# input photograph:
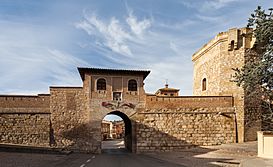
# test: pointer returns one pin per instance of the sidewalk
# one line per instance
(32, 149)
(257, 162)
(228, 155)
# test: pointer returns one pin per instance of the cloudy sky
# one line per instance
(42, 42)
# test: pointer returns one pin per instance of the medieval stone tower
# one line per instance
(213, 65)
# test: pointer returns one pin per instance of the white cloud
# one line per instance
(30, 70)
(151, 49)
(116, 38)
(207, 5)
(173, 46)
(137, 27)
(63, 66)
(216, 4)
(30, 61)
(212, 19)
(38, 49)
(111, 35)
(182, 25)
(115, 34)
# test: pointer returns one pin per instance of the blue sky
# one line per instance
(42, 42)
(112, 117)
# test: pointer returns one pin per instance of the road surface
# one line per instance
(227, 155)
(114, 155)
(109, 158)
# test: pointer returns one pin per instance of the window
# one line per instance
(101, 84)
(204, 84)
(117, 96)
(232, 45)
(132, 85)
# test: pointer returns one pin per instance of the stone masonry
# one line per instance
(214, 62)
(70, 117)
(176, 123)
(25, 120)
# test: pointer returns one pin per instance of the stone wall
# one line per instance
(69, 117)
(25, 120)
(174, 123)
(153, 101)
(31, 129)
(24, 101)
(214, 61)
(207, 65)
(176, 129)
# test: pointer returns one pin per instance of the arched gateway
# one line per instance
(122, 94)
(126, 132)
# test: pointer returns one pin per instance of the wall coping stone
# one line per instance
(190, 96)
(220, 113)
(25, 111)
(65, 87)
(31, 96)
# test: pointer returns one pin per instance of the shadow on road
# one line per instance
(120, 151)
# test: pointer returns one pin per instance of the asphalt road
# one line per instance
(120, 158)
(229, 155)
(109, 158)
(113, 144)
(114, 155)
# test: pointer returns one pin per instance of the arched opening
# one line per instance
(116, 132)
(232, 45)
(132, 85)
(101, 84)
(204, 84)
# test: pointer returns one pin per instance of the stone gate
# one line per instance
(70, 117)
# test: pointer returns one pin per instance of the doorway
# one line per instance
(116, 132)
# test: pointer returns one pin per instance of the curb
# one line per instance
(257, 162)
(31, 149)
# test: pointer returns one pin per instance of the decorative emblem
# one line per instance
(117, 105)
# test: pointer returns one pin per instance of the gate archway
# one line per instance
(128, 129)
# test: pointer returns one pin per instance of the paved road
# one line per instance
(113, 144)
(121, 158)
(114, 155)
(109, 158)
(229, 155)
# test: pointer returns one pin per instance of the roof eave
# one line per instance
(83, 70)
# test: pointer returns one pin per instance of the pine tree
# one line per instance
(256, 76)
